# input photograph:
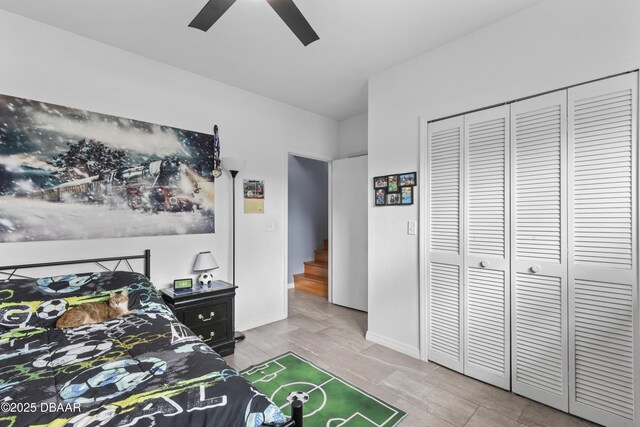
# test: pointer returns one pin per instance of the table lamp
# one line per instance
(205, 262)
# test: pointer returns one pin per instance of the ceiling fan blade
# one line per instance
(210, 13)
(295, 20)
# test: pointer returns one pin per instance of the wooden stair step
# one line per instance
(311, 278)
(322, 255)
(315, 268)
(309, 283)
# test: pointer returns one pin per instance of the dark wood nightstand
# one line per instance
(208, 312)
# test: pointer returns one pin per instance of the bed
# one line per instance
(143, 369)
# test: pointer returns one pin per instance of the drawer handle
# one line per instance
(211, 335)
(535, 269)
(484, 264)
(201, 317)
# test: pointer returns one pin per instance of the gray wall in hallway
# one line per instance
(308, 210)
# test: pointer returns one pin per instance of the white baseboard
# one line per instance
(291, 285)
(393, 344)
(245, 326)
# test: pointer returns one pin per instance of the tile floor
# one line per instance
(333, 337)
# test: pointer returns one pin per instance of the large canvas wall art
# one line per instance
(67, 173)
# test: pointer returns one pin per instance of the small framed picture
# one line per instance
(406, 195)
(392, 186)
(381, 197)
(182, 285)
(393, 199)
(408, 179)
(380, 182)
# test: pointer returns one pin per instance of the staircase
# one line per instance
(316, 273)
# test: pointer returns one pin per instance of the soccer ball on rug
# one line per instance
(205, 279)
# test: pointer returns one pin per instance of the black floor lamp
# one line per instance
(234, 165)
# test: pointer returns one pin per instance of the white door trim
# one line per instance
(422, 239)
(285, 267)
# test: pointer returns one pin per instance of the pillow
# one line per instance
(40, 302)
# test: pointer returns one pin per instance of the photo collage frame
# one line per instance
(394, 190)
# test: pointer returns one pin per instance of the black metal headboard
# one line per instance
(125, 258)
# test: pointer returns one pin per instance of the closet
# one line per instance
(531, 237)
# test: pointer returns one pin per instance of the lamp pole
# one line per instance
(237, 336)
(233, 165)
(233, 214)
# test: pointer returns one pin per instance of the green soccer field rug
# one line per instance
(328, 401)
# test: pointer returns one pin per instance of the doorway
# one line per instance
(308, 225)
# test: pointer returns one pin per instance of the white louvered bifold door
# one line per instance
(603, 257)
(539, 249)
(486, 248)
(444, 263)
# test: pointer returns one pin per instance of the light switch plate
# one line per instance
(412, 227)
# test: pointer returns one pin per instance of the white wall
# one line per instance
(46, 64)
(308, 219)
(352, 136)
(554, 44)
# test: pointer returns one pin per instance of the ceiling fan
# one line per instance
(286, 9)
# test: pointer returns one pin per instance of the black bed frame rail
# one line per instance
(126, 258)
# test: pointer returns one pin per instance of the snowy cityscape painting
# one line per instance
(67, 173)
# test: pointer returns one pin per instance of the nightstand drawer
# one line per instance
(202, 316)
(213, 333)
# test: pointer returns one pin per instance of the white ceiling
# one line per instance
(251, 48)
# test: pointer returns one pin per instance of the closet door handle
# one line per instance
(484, 264)
(535, 269)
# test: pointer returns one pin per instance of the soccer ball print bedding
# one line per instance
(130, 370)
